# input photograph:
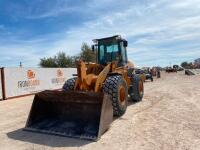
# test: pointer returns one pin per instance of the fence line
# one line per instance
(16, 82)
(1, 86)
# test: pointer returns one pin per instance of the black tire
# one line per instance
(114, 86)
(136, 93)
(69, 84)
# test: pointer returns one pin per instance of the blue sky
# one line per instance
(159, 32)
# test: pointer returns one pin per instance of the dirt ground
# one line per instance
(168, 118)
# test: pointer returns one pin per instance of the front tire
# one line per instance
(116, 87)
(69, 84)
(137, 89)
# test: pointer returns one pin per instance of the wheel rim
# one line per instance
(141, 88)
(122, 95)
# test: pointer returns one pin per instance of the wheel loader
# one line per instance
(85, 107)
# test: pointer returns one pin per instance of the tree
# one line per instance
(87, 54)
(48, 62)
(58, 61)
(64, 61)
(187, 65)
(197, 63)
(61, 60)
(184, 64)
(190, 65)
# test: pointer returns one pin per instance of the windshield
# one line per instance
(108, 53)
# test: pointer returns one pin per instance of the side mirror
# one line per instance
(125, 43)
(93, 48)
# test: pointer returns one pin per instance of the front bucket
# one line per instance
(85, 115)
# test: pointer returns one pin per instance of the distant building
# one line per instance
(197, 63)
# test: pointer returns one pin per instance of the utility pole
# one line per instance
(20, 64)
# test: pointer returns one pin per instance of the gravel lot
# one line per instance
(168, 118)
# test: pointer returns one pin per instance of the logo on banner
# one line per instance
(30, 74)
(59, 73)
(60, 79)
(31, 82)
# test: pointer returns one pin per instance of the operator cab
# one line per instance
(111, 49)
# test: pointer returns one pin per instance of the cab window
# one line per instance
(108, 53)
(123, 53)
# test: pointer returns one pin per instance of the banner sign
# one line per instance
(24, 81)
(1, 91)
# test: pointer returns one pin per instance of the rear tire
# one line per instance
(116, 87)
(137, 89)
(69, 84)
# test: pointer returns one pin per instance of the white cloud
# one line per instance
(13, 55)
(157, 30)
(2, 27)
(162, 30)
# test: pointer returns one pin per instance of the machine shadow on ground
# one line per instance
(52, 140)
(130, 102)
(45, 139)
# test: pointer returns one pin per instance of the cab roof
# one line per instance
(106, 39)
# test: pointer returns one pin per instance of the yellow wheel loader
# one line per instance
(86, 105)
